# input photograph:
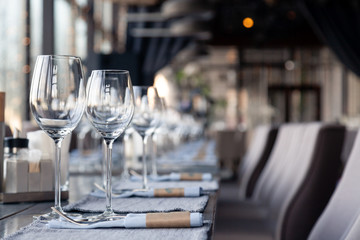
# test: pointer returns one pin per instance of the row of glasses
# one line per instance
(58, 101)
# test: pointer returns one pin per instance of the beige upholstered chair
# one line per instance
(256, 158)
(295, 185)
(340, 219)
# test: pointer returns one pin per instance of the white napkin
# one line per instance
(170, 177)
(130, 221)
(188, 192)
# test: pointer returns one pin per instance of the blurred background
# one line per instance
(232, 64)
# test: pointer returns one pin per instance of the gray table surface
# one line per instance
(15, 216)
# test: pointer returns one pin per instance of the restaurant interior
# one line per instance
(179, 119)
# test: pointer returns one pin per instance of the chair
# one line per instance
(350, 137)
(316, 185)
(340, 219)
(229, 149)
(296, 183)
(256, 158)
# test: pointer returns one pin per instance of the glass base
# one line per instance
(54, 216)
(125, 176)
(47, 217)
(108, 215)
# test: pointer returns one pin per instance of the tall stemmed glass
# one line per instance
(110, 108)
(57, 102)
(146, 118)
(155, 135)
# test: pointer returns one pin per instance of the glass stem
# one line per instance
(153, 155)
(58, 174)
(104, 164)
(124, 157)
(109, 145)
(145, 180)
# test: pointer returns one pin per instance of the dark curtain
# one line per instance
(338, 24)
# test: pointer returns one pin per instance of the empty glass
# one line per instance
(110, 108)
(57, 102)
(155, 136)
(146, 118)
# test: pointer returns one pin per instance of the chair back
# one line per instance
(308, 184)
(340, 219)
(255, 158)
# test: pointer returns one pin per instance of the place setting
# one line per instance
(58, 99)
(146, 119)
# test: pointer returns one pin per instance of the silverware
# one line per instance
(132, 172)
(118, 193)
(84, 221)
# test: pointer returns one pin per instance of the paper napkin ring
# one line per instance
(201, 153)
(168, 220)
(34, 167)
(169, 192)
(191, 176)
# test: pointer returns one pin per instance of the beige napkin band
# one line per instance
(2, 106)
(191, 176)
(201, 153)
(200, 156)
(169, 192)
(168, 220)
(34, 167)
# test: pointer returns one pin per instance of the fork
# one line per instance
(121, 191)
(83, 222)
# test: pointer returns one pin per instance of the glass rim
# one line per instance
(60, 56)
(110, 71)
(143, 86)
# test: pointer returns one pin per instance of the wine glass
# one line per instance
(155, 135)
(110, 108)
(57, 102)
(146, 118)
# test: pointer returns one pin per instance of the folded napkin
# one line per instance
(148, 220)
(157, 192)
(177, 177)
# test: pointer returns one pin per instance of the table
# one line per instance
(15, 216)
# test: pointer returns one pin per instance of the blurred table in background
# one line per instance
(230, 148)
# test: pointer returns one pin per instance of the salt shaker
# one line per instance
(16, 165)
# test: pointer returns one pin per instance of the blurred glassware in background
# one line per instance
(127, 153)
(88, 139)
(155, 137)
(86, 157)
(146, 119)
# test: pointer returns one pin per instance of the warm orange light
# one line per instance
(248, 22)
(26, 41)
(26, 69)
